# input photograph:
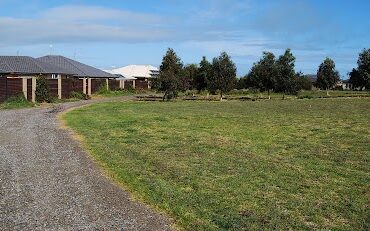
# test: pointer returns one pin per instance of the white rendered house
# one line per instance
(140, 75)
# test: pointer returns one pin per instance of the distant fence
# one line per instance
(12, 86)
(114, 84)
(141, 84)
(71, 85)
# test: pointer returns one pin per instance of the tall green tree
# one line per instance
(224, 74)
(363, 63)
(327, 75)
(286, 79)
(169, 74)
(188, 77)
(263, 73)
(203, 74)
(356, 79)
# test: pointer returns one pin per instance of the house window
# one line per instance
(55, 76)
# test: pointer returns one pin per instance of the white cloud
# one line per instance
(77, 23)
(25, 31)
(82, 24)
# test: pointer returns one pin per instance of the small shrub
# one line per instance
(18, 101)
(190, 92)
(305, 97)
(79, 95)
(103, 90)
(170, 95)
(129, 87)
(42, 90)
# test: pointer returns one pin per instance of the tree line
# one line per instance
(218, 76)
(270, 73)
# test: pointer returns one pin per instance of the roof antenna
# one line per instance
(17, 52)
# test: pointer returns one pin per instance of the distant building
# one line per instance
(344, 84)
(141, 76)
(18, 75)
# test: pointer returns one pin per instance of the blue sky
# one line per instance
(110, 34)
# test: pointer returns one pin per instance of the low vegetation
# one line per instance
(15, 102)
(122, 92)
(332, 94)
(79, 95)
(107, 92)
(268, 165)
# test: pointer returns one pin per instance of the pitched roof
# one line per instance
(137, 71)
(80, 69)
(4, 67)
(28, 65)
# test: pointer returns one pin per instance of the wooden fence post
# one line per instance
(88, 86)
(33, 89)
(60, 87)
(24, 87)
(84, 85)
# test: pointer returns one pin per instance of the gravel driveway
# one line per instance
(47, 182)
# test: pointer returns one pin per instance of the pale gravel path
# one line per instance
(47, 182)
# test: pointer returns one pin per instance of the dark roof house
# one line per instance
(19, 74)
(80, 69)
(29, 65)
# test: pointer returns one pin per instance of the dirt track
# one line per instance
(48, 182)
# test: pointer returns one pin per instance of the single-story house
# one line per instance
(18, 74)
(344, 84)
(140, 75)
(93, 78)
(347, 85)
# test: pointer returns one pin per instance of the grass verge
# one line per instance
(285, 165)
(16, 102)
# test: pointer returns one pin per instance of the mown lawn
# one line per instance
(285, 165)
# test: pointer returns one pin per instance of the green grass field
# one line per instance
(279, 164)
